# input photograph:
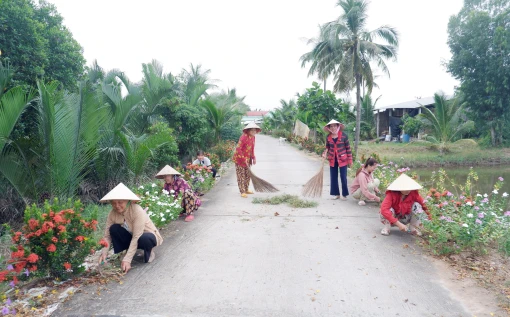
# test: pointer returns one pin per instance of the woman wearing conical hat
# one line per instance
(244, 156)
(176, 185)
(338, 153)
(128, 227)
(403, 206)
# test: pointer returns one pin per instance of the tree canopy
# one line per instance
(35, 41)
(479, 39)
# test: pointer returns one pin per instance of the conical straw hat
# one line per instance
(252, 125)
(404, 182)
(331, 122)
(120, 192)
(167, 170)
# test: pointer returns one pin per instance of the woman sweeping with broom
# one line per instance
(244, 157)
(338, 153)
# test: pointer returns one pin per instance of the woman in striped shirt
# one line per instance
(338, 153)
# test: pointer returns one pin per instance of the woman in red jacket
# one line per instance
(339, 155)
(365, 186)
(244, 156)
(403, 206)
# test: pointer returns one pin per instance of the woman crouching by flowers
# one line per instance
(365, 186)
(128, 227)
(403, 206)
(175, 185)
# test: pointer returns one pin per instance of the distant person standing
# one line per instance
(338, 153)
(204, 161)
(244, 157)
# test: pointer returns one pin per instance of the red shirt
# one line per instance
(394, 200)
(341, 150)
(245, 150)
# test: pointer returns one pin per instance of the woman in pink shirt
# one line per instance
(365, 187)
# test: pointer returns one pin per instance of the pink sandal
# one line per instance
(189, 218)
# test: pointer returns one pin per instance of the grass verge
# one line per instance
(423, 154)
(291, 200)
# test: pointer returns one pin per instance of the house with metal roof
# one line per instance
(253, 116)
(389, 117)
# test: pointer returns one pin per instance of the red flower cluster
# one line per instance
(55, 243)
(20, 260)
(198, 168)
(103, 243)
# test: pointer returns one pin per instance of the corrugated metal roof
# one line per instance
(416, 103)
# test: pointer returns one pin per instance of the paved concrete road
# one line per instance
(239, 259)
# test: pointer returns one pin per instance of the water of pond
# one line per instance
(487, 176)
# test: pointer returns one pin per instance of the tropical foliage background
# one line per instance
(68, 130)
(349, 54)
(71, 130)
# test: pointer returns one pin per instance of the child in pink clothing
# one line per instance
(365, 187)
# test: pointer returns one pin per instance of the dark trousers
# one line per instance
(333, 172)
(213, 172)
(121, 239)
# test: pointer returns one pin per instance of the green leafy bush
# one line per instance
(166, 154)
(224, 150)
(231, 131)
(412, 125)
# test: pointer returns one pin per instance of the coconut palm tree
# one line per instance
(157, 89)
(284, 116)
(196, 84)
(445, 121)
(219, 115)
(367, 123)
(354, 49)
(324, 57)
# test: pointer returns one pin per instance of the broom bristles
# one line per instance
(261, 185)
(313, 188)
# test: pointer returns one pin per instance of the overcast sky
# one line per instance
(255, 46)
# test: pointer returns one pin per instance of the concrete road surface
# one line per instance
(239, 259)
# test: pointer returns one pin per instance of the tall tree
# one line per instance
(35, 41)
(323, 104)
(355, 48)
(479, 39)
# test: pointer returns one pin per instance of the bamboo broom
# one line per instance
(261, 185)
(313, 188)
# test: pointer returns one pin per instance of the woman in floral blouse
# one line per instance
(244, 156)
(175, 186)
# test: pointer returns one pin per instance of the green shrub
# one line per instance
(166, 154)
(224, 150)
(231, 131)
